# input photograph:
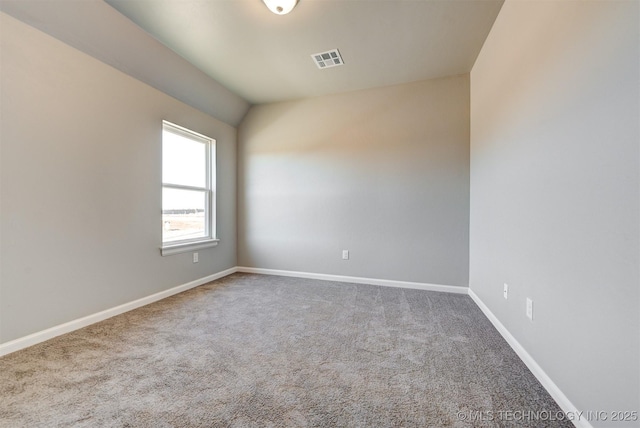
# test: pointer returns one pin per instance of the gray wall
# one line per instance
(80, 175)
(383, 173)
(555, 191)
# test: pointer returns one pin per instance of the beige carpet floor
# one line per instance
(265, 351)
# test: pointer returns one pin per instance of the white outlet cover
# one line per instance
(505, 291)
(195, 257)
(345, 254)
(530, 309)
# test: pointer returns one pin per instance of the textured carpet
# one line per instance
(265, 351)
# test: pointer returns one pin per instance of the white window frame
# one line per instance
(210, 238)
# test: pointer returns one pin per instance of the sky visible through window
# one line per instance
(183, 163)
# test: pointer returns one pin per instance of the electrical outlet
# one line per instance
(345, 254)
(505, 291)
(195, 257)
(530, 309)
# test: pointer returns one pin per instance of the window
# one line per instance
(188, 190)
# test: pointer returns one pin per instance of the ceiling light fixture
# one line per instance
(280, 7)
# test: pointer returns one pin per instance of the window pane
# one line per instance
(183, 214)
(184, 161)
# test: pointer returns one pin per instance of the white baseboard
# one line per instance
(50, 333)
(565, 404)
(357, 280)
(555, 392)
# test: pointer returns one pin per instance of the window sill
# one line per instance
(185, 247)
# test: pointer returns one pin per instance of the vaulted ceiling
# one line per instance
(223, 55)
(265, 57)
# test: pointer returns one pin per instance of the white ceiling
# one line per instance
(265, 57)
(221, 55)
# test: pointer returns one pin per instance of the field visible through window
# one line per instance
(177, 227)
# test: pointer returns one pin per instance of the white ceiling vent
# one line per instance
(327, 59)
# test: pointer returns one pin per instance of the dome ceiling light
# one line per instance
(280, 7)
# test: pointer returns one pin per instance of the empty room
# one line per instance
(319, 213)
